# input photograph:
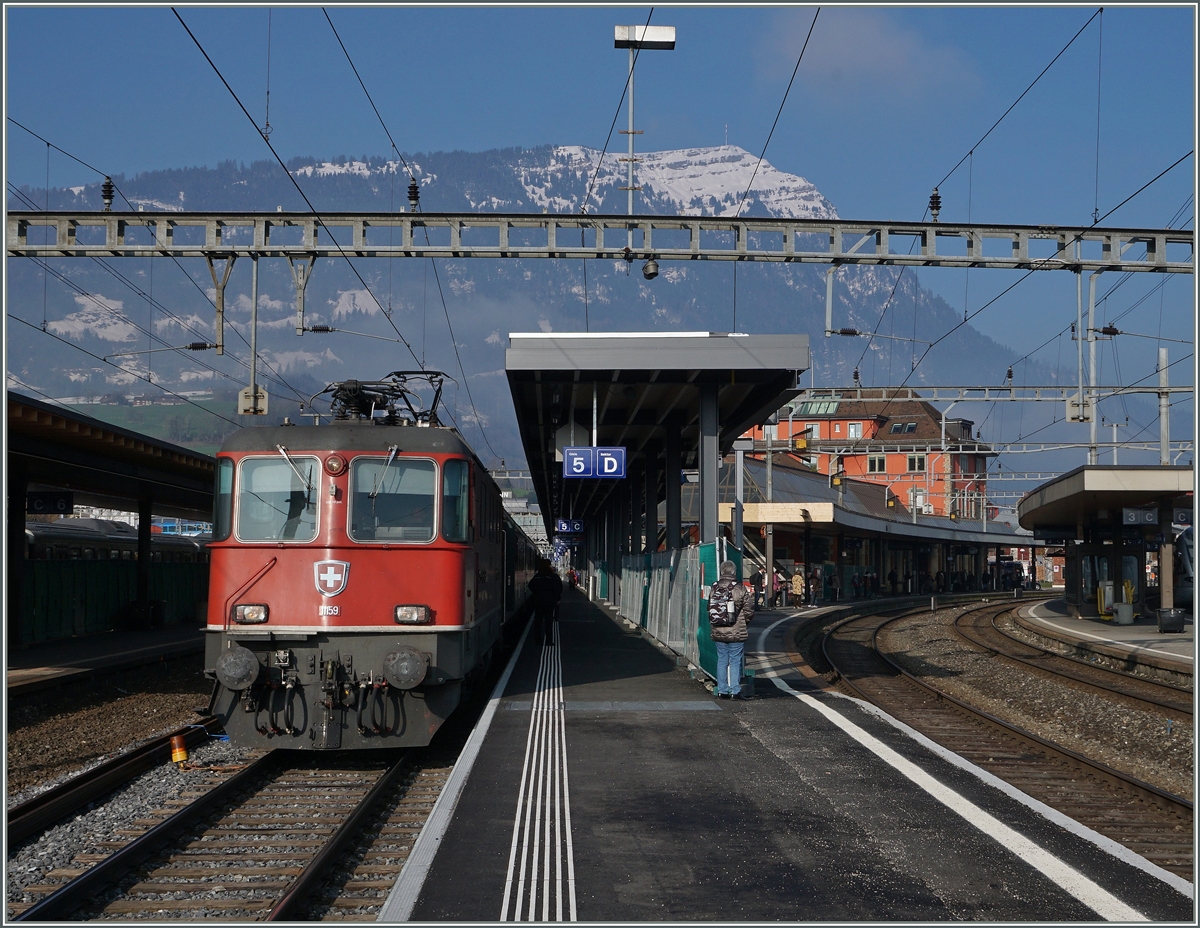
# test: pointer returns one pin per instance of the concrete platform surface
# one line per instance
(54, 662)
(1142, 637)
(611, 787)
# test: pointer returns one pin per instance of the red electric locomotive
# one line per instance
(362, 572)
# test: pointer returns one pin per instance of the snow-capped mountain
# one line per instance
(483, 300)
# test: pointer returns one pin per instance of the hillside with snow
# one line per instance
(139, 304)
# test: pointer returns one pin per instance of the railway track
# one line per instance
(45, 809)
(292, 836)
(980, 628)
(1149, 821)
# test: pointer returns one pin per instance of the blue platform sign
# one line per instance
(610, 462)
(593, 462)
(568, 526)
(579, 462)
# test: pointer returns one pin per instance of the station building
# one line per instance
(930, 461)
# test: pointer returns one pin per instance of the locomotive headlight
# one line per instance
(250, 615)
(413, 615)
(334, 465)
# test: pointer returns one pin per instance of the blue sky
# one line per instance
(885, 103)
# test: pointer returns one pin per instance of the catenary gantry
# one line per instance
(665, 238)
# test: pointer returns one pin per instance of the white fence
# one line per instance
(672, 606)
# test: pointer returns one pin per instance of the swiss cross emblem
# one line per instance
(331, 576)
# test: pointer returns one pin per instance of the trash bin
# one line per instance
(1123, 613)
(1171, 620)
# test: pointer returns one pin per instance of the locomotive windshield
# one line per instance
(274, 503)
(392, 499)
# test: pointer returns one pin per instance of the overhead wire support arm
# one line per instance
(805, 241)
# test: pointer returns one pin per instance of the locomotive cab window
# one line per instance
(392, 499)
(277, 499)
(223, 500)
(455, 499)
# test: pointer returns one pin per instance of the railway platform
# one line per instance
(1136, 646)
(55, 662)
(606, 784)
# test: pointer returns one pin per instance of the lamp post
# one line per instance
(635, 38)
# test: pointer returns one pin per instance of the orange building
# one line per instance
(927, 461)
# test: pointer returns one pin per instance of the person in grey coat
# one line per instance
(731, 639)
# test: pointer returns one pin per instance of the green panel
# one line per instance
(709, 574)
(67, 598)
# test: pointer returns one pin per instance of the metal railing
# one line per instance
(671, 602)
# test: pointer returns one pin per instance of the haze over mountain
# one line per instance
(111, 307)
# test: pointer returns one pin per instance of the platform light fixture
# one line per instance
(634, 38)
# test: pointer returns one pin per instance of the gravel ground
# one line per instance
(51, 735)
(28, 863)
(1139, 743)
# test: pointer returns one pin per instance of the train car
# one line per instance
(106, 539)
(362, 572)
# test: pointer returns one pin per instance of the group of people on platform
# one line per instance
(809, 588)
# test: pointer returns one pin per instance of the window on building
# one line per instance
(876, 464)
(916, 463)
(903, 428)
(837, 428)
(909, 427)
(812, 431)
(855, 429)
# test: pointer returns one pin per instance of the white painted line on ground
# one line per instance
(1104, 843)
(403, 897)
(1099, 900)
(542, 822)
(1125, 644)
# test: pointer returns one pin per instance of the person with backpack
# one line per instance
(546, 589)
(729, 611)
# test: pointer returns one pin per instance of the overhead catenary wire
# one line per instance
(363, 85)
(1144, 186)
(118, 367)
(1020, 98)
(778, 113)
(275, 375)
(970, 155)
(123, 318)
(432, 263)
(266, 364)
(295, 183)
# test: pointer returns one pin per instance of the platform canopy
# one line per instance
(53, 447)
(648, 392)
(1096, 495)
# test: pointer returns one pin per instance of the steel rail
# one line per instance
(664, 238)
(288, 908)
(1175, 803)
(1039, 662)
(64, 901)
(43, 810)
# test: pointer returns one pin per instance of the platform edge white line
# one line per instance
(403, 897)
(1068, 878)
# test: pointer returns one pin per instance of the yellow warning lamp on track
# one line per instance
(179, 751)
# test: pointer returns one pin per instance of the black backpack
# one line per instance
(721, 610)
